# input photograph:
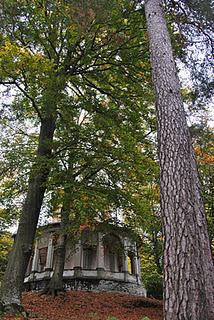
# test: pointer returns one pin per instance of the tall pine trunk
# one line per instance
(12, 284)
(188, 265)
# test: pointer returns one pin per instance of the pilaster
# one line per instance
(35, 258)
(49, 259)
(125, 260)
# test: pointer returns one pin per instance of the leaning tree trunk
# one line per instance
(188, 265)
(18, 260)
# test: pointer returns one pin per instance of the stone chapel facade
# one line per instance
(98, 261)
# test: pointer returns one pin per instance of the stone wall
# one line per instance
(93, 285)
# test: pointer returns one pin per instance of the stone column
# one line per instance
(35, 258)
(137, 266)
(138, 269)
(100, 252)
(49, 259)
(78, 260)
(100, 257)
(125, 260)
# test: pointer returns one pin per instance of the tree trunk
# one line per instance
(14, 276)
(56, 283)
(188, 265)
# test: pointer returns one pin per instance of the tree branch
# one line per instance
(30, 98)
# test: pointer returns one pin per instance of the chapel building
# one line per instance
(99, 260)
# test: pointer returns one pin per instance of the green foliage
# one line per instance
(90, 68)
(6, 242)
(152, 280)
(151, 256)
(203, 139)
(17, 154)
(192, 22)
(154, 286)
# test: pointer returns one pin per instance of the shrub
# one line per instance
(154, 285)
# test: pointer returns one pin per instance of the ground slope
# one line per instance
(79, 305)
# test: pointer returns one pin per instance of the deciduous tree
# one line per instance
(53, 49)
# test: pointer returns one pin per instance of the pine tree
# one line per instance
(188, 265)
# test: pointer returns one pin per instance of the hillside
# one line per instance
(79, 305)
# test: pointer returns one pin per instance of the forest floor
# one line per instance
(80, 305)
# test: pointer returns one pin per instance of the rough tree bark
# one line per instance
(56, 283)
(12, 284)
(188, 265)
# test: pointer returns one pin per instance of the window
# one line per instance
(89, 243)
(131, 268)
(42, 258)
(112, 265)
(89, 257)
